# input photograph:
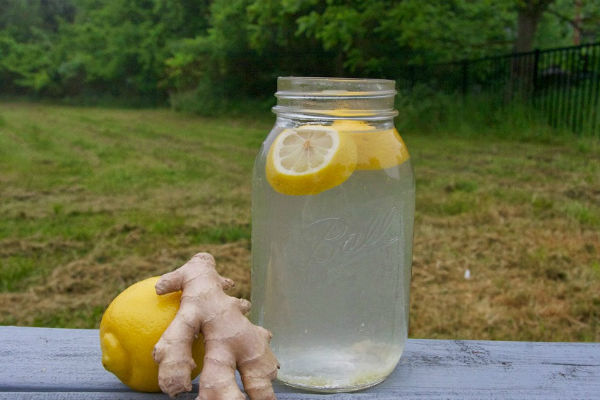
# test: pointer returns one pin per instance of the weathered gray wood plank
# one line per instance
(45, 363)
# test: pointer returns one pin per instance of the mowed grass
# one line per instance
(92, 200)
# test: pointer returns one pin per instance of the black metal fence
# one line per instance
(561, 85)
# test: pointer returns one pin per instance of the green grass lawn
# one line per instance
(92, 200)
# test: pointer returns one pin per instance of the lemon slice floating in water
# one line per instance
(377, 149)
(310, 159)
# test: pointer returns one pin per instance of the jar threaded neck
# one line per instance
(335, 98)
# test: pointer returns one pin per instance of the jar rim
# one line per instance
(290, 87)
(321, 98)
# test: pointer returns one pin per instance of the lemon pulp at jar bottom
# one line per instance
(332, 226)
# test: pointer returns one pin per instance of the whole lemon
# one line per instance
(131, 326)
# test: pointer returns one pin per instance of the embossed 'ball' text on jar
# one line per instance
(332, 228)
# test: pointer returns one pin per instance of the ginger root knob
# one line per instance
(231, 340)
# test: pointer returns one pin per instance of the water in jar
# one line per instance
(331, 275)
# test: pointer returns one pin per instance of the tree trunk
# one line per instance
(339, 63)
(577, 23)
(526, 27)
(530, 13)
(522, 68)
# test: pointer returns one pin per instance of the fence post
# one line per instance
(465, 76)
(534, 86)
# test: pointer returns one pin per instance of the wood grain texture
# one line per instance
(44, 363)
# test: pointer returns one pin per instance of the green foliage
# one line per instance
(427, 111)
(115, 47)
(26, 65)
(209, 53)
(120, 44)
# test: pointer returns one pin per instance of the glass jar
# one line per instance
(332, 226)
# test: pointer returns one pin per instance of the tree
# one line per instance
(582, 17)
(529, 14)
(377, 37)
(219, 49)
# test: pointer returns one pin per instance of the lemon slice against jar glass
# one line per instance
(310, 159)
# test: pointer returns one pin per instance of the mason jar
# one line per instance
(332, 226)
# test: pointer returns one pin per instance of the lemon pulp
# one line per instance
(310, 159)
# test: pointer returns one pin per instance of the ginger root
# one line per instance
(231, 340)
